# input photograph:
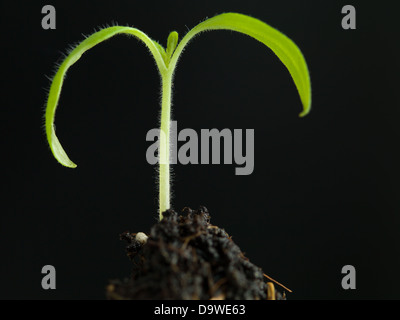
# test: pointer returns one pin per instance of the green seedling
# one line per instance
(166, 61)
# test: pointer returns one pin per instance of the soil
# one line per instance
(186, 257)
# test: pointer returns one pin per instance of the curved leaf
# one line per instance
(281, 45)
(56, 85)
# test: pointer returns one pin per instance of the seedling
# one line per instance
(166, 60)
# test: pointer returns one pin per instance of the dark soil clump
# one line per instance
(185, 257)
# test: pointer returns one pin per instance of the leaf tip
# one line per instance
(73, 165)
(59, 152)
(305, 111)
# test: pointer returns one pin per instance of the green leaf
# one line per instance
(281, 45)
(171, 44)
(56, 85)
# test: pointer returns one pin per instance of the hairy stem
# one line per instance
(164, 152)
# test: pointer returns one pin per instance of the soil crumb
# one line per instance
(184, 257)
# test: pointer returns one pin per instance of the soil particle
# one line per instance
(186, 257)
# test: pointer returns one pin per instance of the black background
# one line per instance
(324, 192)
